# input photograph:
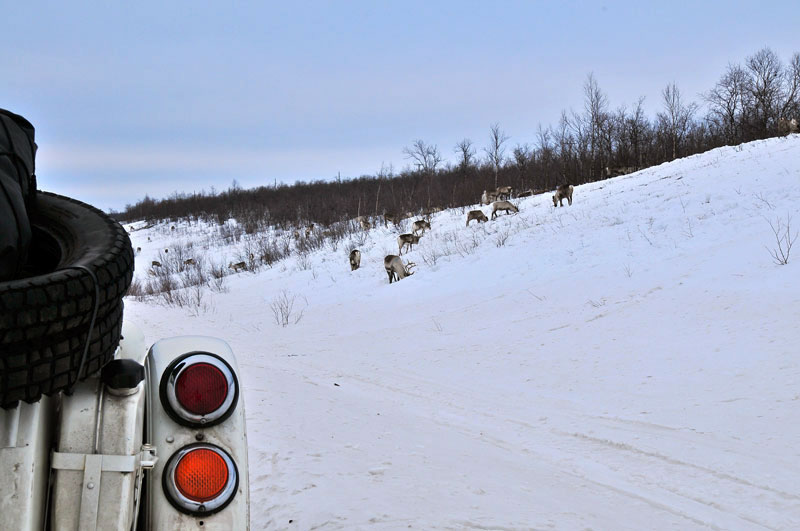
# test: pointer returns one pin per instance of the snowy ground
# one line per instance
(629, 362)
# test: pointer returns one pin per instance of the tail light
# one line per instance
(199, 390)
(200, 479)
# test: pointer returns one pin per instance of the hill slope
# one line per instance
(630, 362)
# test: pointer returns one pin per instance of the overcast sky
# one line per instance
(155, 97)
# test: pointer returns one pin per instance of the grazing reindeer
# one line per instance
(355, 259)
(502, 205)
(241, 266)
(394, 218)
(488, 197)
(787, 127)
(156, 263)
(565, 190)
(407, 239)
(476, 214)
(503, 192)
(190, 261)
(364, 222)
(420, 224)
(526, 193)
(396, 269)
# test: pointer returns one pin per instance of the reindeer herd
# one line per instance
(393, 264)
(498, 199)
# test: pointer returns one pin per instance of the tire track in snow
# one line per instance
(631, 480)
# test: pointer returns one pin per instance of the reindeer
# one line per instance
(394, 218)
(355, 259)
(420, 224)
(396, 269)
(503, 192)
(787, 127)
(190, 261)
(476, 214)
(364, 222)
(488, 197)
(526, 193)
(565, 190)
(241, 266)
(502, 205)
(430, 211)
(407, 239)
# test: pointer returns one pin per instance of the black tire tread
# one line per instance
(44, 319)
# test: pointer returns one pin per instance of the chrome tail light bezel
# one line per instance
(187, 505)
(173, 406)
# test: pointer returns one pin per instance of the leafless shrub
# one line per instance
(501, 237)
(596, 304)
(688, 230)
(535, 296)
(283, 308)
(431, 255)
(645, 236)
(137, 290)
(628, 270)
(760, 197)
(358, 239)
(218, 270)
(304, 261)
(784, 240)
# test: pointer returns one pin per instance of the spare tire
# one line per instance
(63, 321)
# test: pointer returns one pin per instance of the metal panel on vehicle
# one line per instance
(170, 437)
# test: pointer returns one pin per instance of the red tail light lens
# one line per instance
(200, 479)
(201, 388)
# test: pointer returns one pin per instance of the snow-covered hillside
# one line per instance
(629, 362)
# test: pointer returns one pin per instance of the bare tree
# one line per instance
(596, 118)
(466, 155)
(791, 95)
(637, 132)
(766, 76)
(522, 158)
(677, 116)
(496, 150)
(426, 157)
(727, 102)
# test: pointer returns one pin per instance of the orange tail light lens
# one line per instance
(201, 475)
(200, 478)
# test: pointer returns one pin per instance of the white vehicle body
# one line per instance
(96, 459)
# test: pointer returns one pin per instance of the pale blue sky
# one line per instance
(157, 97)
